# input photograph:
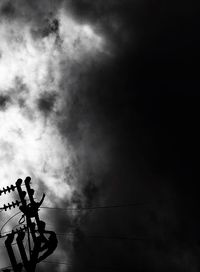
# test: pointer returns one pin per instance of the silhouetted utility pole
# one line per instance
(41, 242)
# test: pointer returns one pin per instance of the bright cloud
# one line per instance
(31, 64)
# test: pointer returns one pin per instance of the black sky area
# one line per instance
(143, 105)
(147, 101)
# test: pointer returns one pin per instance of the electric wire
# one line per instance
(89, 208)
(9, 220)
(96, 207)
(105, 237)
(90, 268)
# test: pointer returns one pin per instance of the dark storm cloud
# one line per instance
(150, 36)
(46, 102)
(36, 12)
(4, 101)
(8, 9)
(149, 125)
(118, 21)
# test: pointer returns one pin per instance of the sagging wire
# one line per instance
(8, 221)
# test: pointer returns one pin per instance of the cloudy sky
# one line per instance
(99, 105)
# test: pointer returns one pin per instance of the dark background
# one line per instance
(147, 101)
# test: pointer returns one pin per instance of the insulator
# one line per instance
(17, 203)
(27, 183)
(28, 179)
(12, 205)
(12, 187)
(21, 193)
(5, 207)
(7, 189)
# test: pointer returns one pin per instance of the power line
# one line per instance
(105, 237)
(56, 263)
(9, 220)
(91, 268)
(96, 207)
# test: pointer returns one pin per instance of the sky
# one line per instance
(99, 104)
